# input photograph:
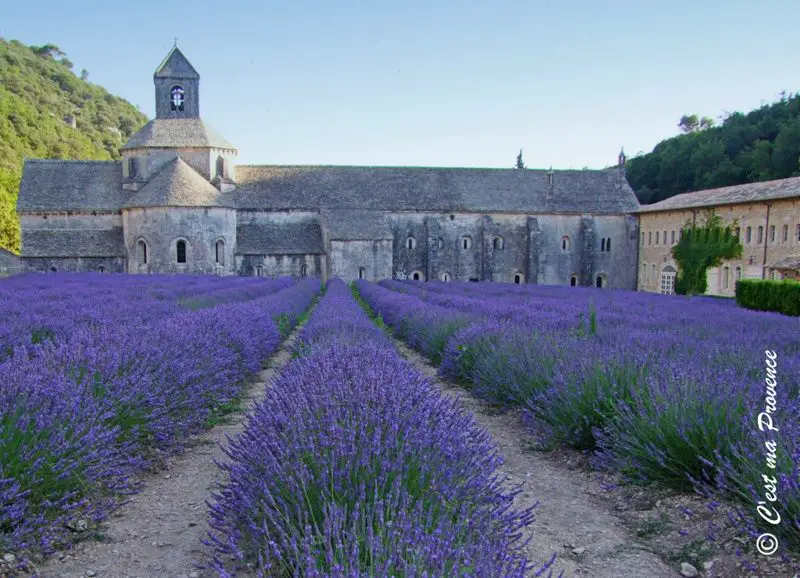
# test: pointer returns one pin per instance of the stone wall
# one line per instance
(162, 228)
(75, 264)
(281, 265)
(351, 260)
(10, 263)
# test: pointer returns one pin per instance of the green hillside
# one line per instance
(761, 145)
(39, 91)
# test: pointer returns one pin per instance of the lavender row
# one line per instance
(662, 389)
(52, 307)
(354, 465)
(81, 418)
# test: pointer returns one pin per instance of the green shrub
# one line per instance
(767, 295)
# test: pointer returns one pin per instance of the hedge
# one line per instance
(767, 295)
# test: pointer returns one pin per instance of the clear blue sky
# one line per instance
(436, 82)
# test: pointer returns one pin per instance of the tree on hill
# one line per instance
(761, 145)
(520, 164)
(38, 91)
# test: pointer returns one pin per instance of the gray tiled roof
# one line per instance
(177, 133)
(73, 243)
(432, 189)
(300, 238)
(175, 65)
(747, 193)
(56, 185)
(790, 262)
(354, 225)
(178, 185)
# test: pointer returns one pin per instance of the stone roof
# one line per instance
(177, 133)
(747, 193)
(791, 262)
(178, 185)
(57, 185)
(432, 189)
(298, 238)
(73, 242)
(356, 225)
(175, 65)
(8, 259)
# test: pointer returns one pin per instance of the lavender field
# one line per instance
(102, 375)
(354, 463)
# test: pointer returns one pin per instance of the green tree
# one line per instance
(701, 247)
(520, 164)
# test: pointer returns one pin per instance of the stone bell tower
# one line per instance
(177, 86)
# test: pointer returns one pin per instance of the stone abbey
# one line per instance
(178, 202)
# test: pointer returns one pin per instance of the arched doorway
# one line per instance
(668, 274)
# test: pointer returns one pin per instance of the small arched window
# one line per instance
(519, 278)
(440, 243)
(53, 270)
(446, 277)
(565, 243)
(600, 282)
(141, 251)
(737, 273)
(603, 245)
(726, 272)
(221, 172)
(608, 245)
(304, 271)
(362, 273)
(498, 244)
(418, 276)
(180, 251)
(176, 98)
(101, 269)
(573, 281)
(748, 234)
(411, 242)
(649, 237)
(672, 237)
(259, 271)
(658, 236)
(219, 252)
(466, 242)
(133, 168)
(785, 233)
(798, 233)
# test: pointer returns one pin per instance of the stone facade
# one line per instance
(177, 203)
(766, 214)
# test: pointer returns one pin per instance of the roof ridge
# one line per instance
(71, 161)
(425, 167)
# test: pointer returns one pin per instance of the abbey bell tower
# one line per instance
(177, 87)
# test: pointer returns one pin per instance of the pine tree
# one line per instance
(520, 164)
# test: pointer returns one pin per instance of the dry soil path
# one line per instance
(158, 533)
(588, 539)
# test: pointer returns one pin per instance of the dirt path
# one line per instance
(157, 534)
(589, 540)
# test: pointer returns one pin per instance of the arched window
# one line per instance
(411, 242)
(600, 282)
(53, 270)
(748, 234)
(466, 242)
(440, 243)
(446, 277)
(221, 167)
(603, 245)
(652, 278)
(649, 237)
(180, 250)
(259, 271)
(418, 276)
(101, 269)
(760, 234)
(642, 239)
(772, 234)
(672, 237)
(133, 168)
(362, 273)
(219, 252)
(643, 280)
(519, 278)
(668, 280)
(798, 233)
(141, 252)
(608, 245)
(565, 243)
(737, 232)
(304, 271)
(573, 281)
(726, 272)
(498, 243)
(737, 273)
(176, 98)
(785, 233)
(657, 236)
(665, 237)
